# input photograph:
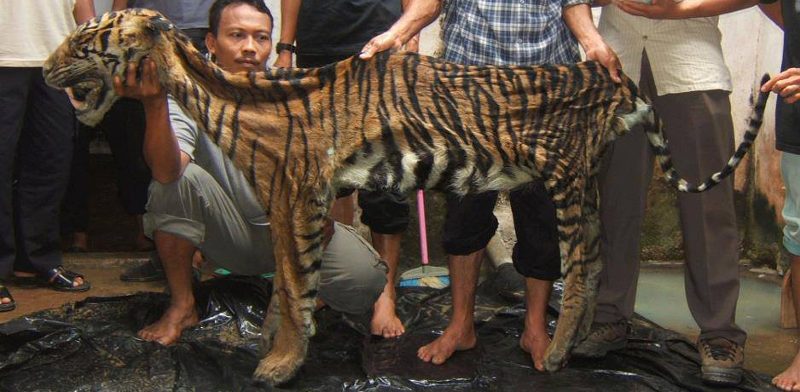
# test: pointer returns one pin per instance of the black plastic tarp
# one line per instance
(92, 346)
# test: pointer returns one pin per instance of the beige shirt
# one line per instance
(685, 55)
(32, 29)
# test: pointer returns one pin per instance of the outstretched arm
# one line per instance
(119, 5)
(83, 11)
(416, 15)
(579, 20)
(161, 151)
(290, 9)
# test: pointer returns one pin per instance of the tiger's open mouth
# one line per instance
(83, 95)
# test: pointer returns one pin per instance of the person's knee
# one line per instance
(169, 198)
(353, 275)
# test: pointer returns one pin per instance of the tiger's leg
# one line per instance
(568, 198)
(270, 325)
(592, 257)
(297, 234)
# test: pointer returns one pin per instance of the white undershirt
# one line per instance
(31, 29)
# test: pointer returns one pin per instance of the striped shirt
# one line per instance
(685, 55)
(508, 32)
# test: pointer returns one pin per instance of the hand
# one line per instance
(380, 43)
(658, 9)
(148, 89)
(284, 60)
(603, 53)
(786, 84)
(413, 44)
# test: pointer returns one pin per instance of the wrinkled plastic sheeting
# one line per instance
(92, 345)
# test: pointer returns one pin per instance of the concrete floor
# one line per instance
(660, 298)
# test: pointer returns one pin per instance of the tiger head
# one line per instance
(86, 62)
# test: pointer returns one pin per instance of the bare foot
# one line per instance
(535, 342)
(789, 379)
(384, 318)
(167, 330)
(453, 339)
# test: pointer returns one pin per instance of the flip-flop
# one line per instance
(4, 293)
(60, 279)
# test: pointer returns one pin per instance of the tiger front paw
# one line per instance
(276, 369)
(555, 358)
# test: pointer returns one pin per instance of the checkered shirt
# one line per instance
(508, 32)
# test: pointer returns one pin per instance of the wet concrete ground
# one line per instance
(769, 349)
(660, 298)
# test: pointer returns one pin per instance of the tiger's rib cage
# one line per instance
(471, 129)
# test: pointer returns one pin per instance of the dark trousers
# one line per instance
(699, 128)
(75, 212)
(470, 224)
(124, 126)
(37, 125)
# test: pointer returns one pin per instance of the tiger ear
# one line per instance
(158, 24)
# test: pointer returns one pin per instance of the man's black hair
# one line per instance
(215, 12)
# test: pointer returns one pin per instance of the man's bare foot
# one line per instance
(384, 318)
(789, 379)
(453, 339)
(535, 342)
(167, 330)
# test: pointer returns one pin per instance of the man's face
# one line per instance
(243, 41)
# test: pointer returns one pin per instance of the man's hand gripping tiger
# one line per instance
(399, 122)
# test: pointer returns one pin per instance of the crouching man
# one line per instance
(200, 201)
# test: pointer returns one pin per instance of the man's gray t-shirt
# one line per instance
(208, 155)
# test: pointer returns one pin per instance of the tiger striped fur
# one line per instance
(398, 122)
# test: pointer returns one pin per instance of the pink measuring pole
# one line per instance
(423, 232)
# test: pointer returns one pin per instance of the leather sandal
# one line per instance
(61, 279)
(4, 293)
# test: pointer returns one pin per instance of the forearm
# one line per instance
(579, 21)
(118, 5)
(290, 9)
(83, 11)
(161, 151)
(773, 11)
(707, 8)
(416, 15)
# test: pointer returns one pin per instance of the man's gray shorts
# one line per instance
(196, 208)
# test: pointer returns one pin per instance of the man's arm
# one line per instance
(290, 9)
(416, 15)
(83, 11)
(412, 45)
(119, 5)
(161, 150)
(579, 20)
(670, 9)
(773, 12)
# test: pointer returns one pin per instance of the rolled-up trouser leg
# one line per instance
(196, 208)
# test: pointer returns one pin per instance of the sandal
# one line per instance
(60, 279)
(4, 293)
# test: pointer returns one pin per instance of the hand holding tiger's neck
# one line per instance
(147, 89)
